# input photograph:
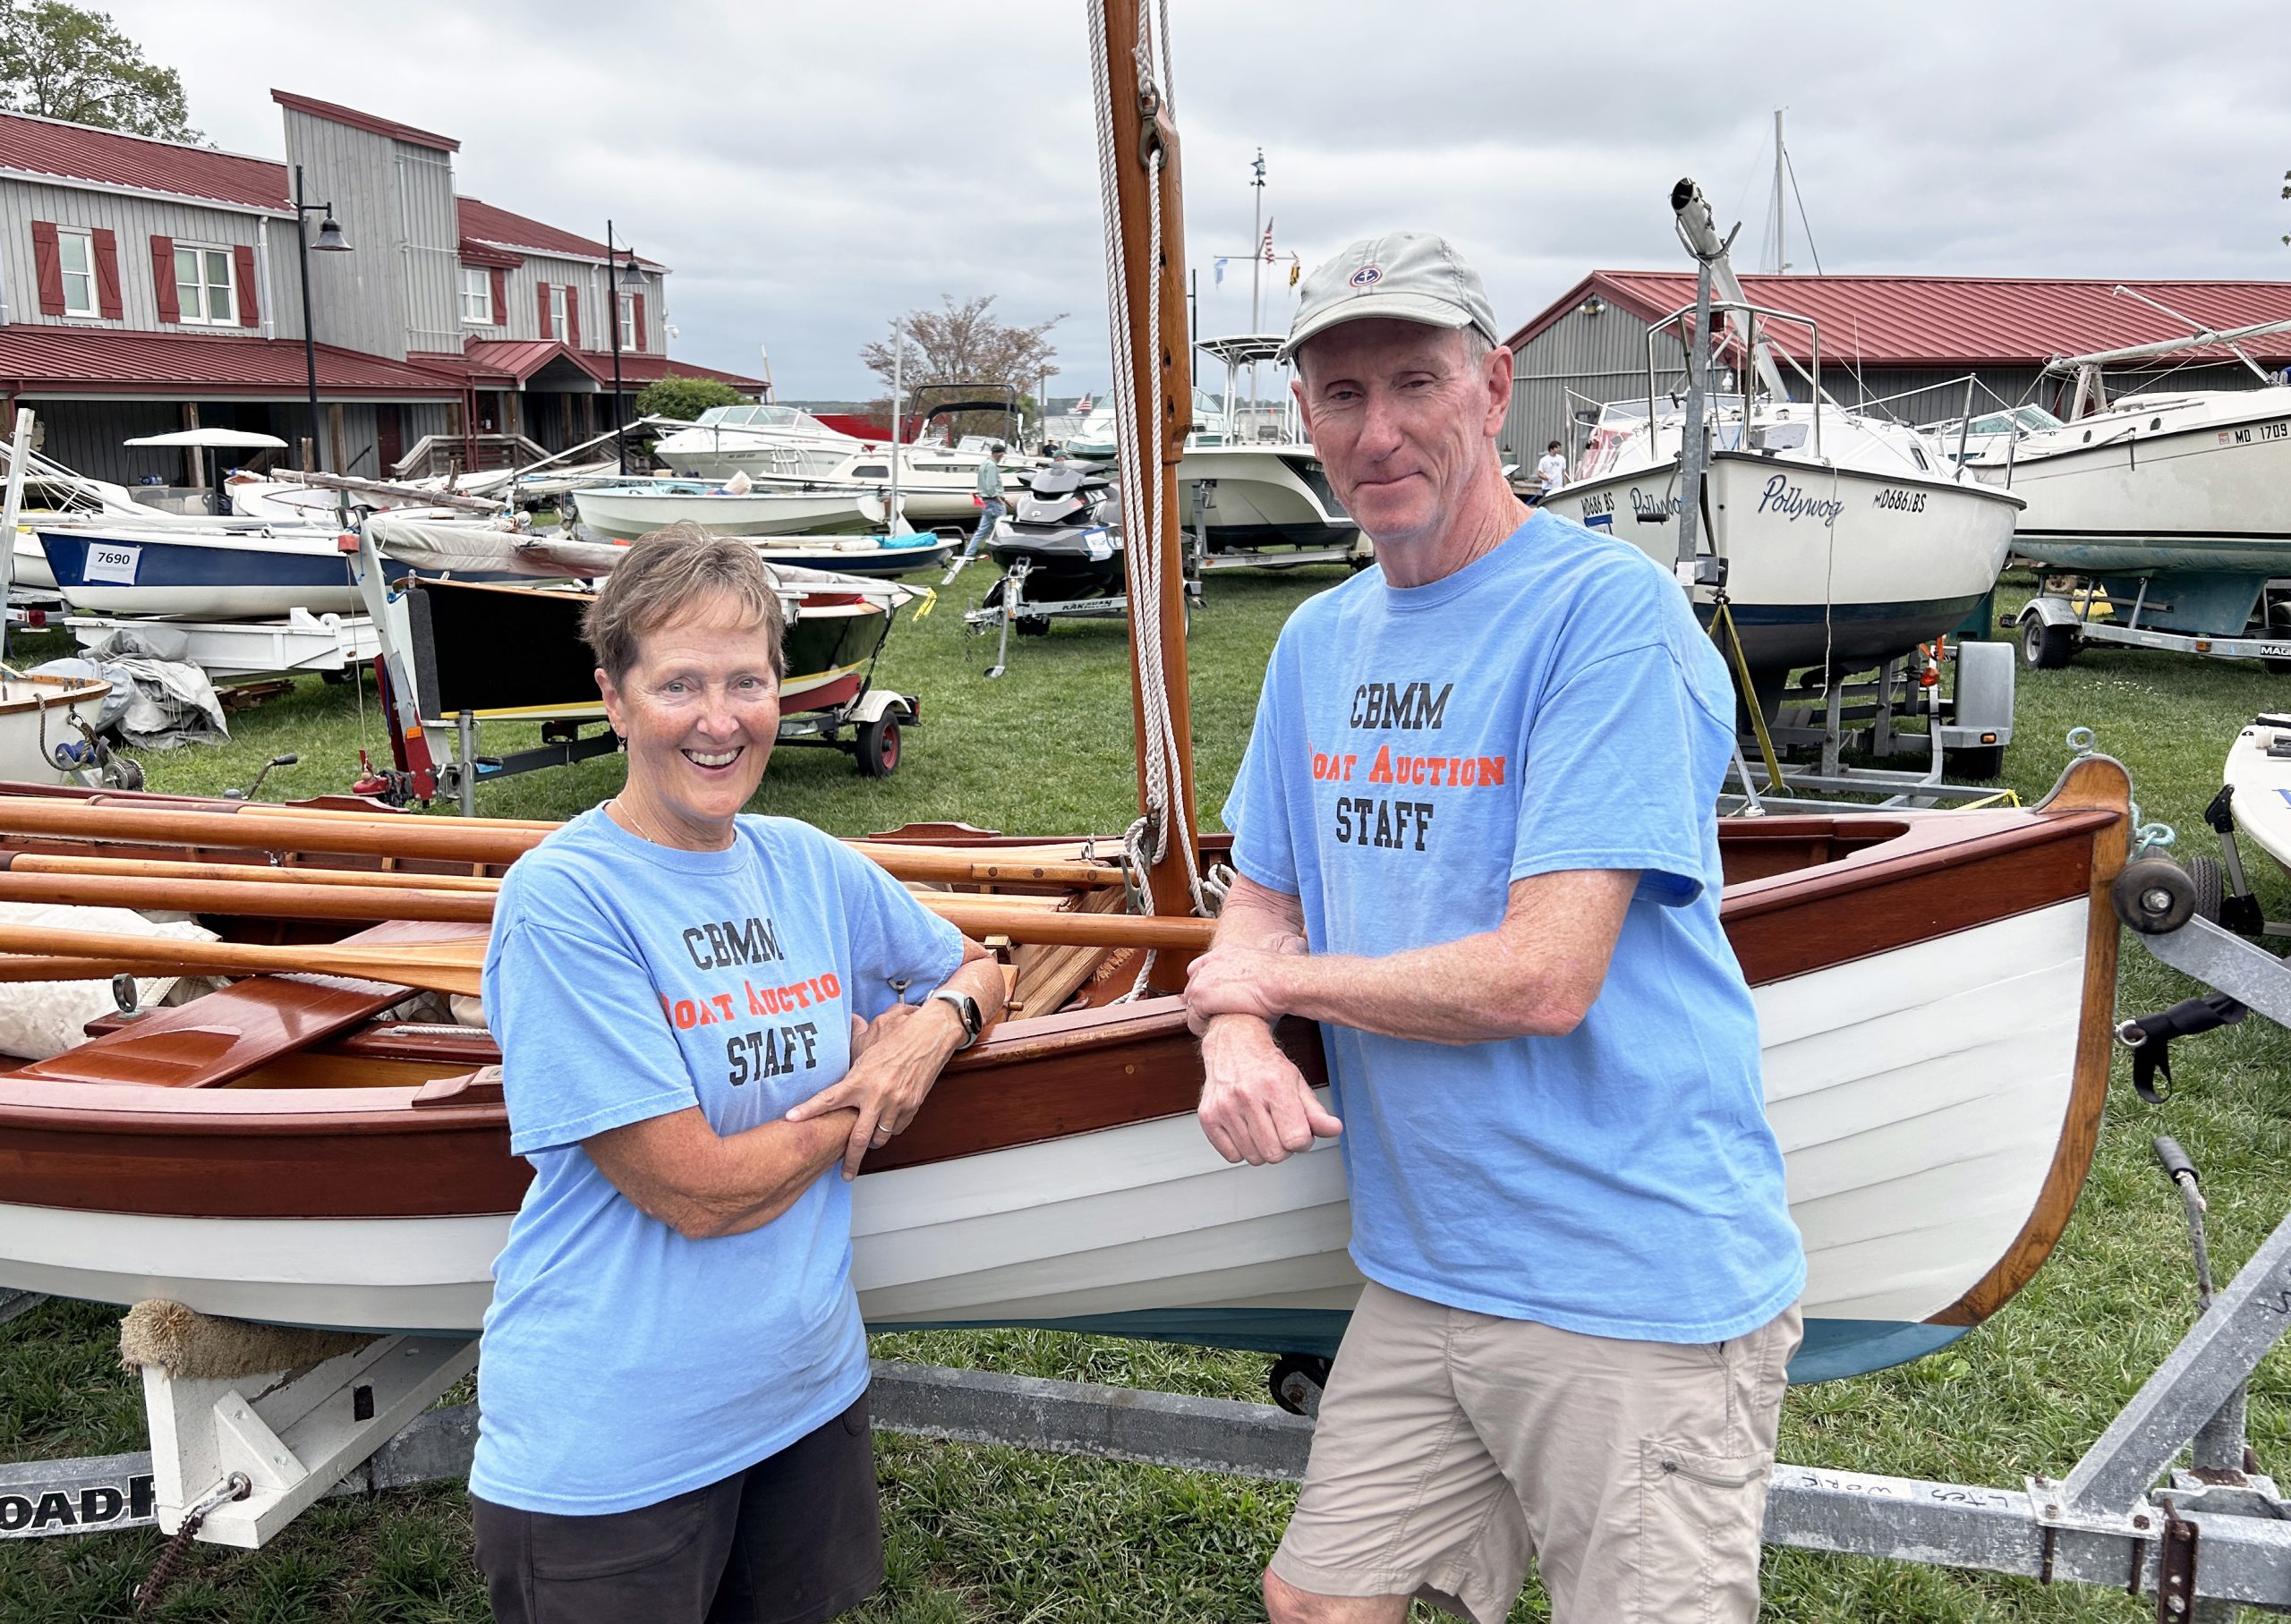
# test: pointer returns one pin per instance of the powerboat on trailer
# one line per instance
(1844, 539)
(1266, 501)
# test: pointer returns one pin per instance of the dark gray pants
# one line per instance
(794, 1539)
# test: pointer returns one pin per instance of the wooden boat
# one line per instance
(1935, 990)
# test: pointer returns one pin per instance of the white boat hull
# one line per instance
(625, 516)
(208, 573)
(1824, 564)
(1254, 497)
(2261, 786)
(2207, 487)
(36, 716)
(1918, 1094)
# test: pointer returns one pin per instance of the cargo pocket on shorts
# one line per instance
(1697, 1546)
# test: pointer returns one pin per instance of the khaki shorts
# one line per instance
(1454, 1447)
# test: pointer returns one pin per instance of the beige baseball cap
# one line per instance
(1402, 275)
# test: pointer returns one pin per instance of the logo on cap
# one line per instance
(1367, 275)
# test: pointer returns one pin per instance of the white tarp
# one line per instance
(158, 698)
(42, 1019)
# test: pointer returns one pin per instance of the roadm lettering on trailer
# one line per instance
(34, 1511)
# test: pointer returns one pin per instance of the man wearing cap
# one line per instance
(991, 506)
(1474, 836)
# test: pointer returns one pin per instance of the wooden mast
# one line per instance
(1141, 124)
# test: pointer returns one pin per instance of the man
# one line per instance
(1551, 468)
(1475, 839)
(991, 506)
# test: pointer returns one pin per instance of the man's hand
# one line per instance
(1255, 1105)
(1238, 980)
(894, 1061)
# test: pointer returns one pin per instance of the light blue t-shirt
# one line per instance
(621, 1363)
(1550, 706)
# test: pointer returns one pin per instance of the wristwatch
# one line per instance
(966, 1008)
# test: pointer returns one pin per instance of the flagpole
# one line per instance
(1256, 272)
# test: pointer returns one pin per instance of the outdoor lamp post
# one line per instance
(631, 279)
(330, 241)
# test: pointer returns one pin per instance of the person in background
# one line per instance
(1582, 1277)
(1551, 468)
(991, 506)
(703, 1017)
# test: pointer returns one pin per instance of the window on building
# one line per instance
(477, 295)
(205, 295)
(557, 326)
(78, 258)
(629, 335)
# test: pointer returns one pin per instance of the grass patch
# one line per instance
(980, 1534)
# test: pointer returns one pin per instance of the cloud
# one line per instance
(810, 170)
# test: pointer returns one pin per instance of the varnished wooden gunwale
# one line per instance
(120, 1146)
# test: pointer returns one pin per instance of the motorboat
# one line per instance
(753, 440)
(1844, 539)
(2256, 775)
(1264, 501)
(936, 485)
(1934, 990)
(37, 714)
(637, 507)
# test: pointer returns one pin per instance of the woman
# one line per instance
(701, 1014)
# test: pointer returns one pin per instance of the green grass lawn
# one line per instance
(982, 1533)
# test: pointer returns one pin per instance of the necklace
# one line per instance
(637, 827)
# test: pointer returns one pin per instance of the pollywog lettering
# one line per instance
(1791, 502)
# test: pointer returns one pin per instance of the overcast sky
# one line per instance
(811, 169)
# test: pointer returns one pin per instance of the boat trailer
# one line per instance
(2217, 617)
(236, 1457)
(1008, 605)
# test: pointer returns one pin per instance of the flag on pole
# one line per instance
(1221, 273)
(1267, 248)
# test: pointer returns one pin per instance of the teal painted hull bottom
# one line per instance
(1832, 1350)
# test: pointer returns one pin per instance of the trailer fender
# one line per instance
(2051, 611)
(877, 703)
(1984, 698)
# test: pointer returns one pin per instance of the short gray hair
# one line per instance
(669, 572)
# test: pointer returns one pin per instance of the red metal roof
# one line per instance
(46, 146)
(356, 120)
(493, 363)
(59, 360)
(1957, 321)
(481, 222)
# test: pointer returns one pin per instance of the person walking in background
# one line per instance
(991, 506)
(1551, 468)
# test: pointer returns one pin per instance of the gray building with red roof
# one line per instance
(147, 286)
(1909, 342)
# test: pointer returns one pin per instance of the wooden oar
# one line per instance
(436, 967)
(451, 840)
(1019, 919)
(252, 874)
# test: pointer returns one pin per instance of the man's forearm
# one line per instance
(1471, 991)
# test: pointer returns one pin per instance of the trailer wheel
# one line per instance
(879, 746)
(1297, 1381)
(2210, 882)
(2275, 668)
(2046, 648)
(2153, 895)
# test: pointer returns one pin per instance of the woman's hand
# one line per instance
(894, 1061)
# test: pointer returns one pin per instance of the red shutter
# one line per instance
(47, 262)
(163, 278)
(242, 272)
(106, 253)
(501, 297)
(573, 315)
(542, 291)
(637, 339)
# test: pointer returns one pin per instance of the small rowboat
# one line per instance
(36, 715)
(625, 512)
(1934, 989)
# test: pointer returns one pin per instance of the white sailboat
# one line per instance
(1846, 540)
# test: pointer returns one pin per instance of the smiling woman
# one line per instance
(701, 1014)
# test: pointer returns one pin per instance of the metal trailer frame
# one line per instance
(2204, 1541)
(2057, 612)
(1357, 554)
(1013, 607)
(1866, 715)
